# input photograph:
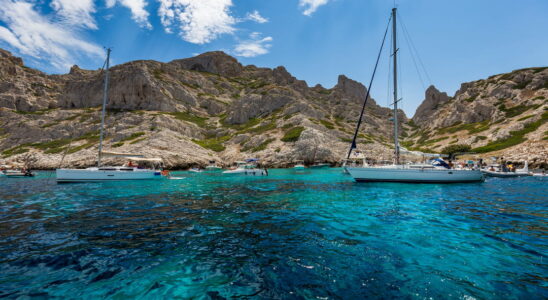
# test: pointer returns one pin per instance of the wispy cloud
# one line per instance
(37, 36)
(253, 46)
(77, 13)
(256, 16)
(199, 21)
(310, 6)
(139, 14)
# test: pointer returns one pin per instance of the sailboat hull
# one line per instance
(96, 175)
(402, 174)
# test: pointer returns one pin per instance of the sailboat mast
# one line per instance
(105, 98)
(395, 52)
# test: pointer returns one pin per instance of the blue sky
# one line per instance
(316, 40)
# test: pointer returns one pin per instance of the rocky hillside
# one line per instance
(503, 115)
(188, 111)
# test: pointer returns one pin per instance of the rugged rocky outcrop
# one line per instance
(503, 115)
(186, 111)
(211, 107)
(432, 100)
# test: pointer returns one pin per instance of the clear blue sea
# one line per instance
(313, 235)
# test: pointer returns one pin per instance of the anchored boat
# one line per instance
(496, 170)
(247, 167)
(18, 173)
(112, 173)
(212, 167)
(398, 172)
(299, 165)
(137, 168)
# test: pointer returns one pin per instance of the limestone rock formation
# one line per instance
(210, 107)
(432, 100)
(187, 111)
(503, 115)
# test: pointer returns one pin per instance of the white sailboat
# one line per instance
(112, 173)
(399, 172)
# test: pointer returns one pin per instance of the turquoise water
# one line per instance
(313, 234)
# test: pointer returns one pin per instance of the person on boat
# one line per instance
(450, 164)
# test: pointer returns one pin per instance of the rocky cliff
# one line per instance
(503, 115)
(187, 111)
(211, 107)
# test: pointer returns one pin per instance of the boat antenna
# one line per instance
(353, 145)
(395, 52)
(105, 99)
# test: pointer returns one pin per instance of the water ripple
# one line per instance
(308, 235)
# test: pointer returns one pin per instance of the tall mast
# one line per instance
(105, 98)
(396, 143)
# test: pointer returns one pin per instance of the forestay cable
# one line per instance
(353, 145)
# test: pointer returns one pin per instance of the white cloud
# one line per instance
(310, 6)
(199, 21)
(256, 16)
(76, 13)
(138, 12)
(254, 46)
(35, 35)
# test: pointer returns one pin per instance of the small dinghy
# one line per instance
(18, 173)
(299, 165)
(503, 174)
(497, 170)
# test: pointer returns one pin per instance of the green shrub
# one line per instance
(470, 99)
(452, 149)
(325, 92)
(158, 74)
(262, 146)
(215, 144)
(412, 124)
(293, 134)
(430, 142)
(481, 126)
(471, 127)
(14, 151)
(526, 117)
(327, 124)
(81, 147)
(515, 138)
(116, 145)
(186, 116)
(132, 136)
(516, 110)
(257, 84)
(36, 112)
(137, 141)
(521, 85)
